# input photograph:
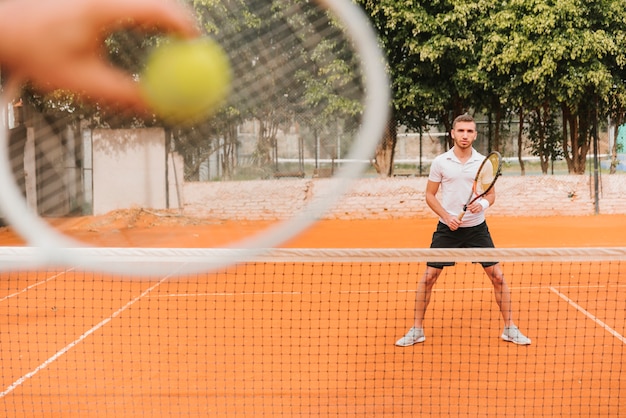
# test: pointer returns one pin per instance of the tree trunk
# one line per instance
(614, 150)
(496, 135)
(266, 148)
(579, 140)
(229, 161)
(566, 136)
(542, 117)
(383, 160)
(520, 141)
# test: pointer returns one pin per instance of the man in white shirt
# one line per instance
(453, 173)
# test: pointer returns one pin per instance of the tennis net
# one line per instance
(312, 332)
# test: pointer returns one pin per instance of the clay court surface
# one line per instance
(147, 229)
(314, 340)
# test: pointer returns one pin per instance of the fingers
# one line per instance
(95, 81)
(453, 223)
(59, 43)
(162, 15)
(476, 207)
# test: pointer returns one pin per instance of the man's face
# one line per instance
(464, 134)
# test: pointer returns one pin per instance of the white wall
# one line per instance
(129, 169)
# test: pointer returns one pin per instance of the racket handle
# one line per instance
(462, 214)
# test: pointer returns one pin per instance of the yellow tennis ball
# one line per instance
(185, 81)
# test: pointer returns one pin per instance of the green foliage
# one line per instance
(544, 136)
(447, 56)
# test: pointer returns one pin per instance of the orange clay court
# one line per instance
(315, 340)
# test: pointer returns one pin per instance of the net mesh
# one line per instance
(311, 332)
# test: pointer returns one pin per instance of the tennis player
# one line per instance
(59, 44)
(452, 175)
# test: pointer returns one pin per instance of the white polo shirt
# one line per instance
(456, 179)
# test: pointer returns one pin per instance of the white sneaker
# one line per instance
(514, 335)
(414, 336)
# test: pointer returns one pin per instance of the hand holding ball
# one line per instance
(186, 81)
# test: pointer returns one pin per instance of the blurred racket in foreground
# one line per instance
(486, 177)
(305, 75)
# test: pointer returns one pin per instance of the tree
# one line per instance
(433, 52)
(557, 53)
(543, 133)
(518, 56)
(293, 65)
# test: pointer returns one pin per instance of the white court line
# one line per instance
(32, 286)
(77, 341)
(589, 315)
(116, 313)
(286, 293)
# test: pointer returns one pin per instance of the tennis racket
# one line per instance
(486, 176)
(309, 86)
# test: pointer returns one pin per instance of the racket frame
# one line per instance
(53, 247)
(474, 196)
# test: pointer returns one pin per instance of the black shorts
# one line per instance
(471, 237)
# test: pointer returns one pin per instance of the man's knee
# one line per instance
(431, 275)
(495, 275)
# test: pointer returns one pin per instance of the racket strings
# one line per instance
(293, 64)
(488, 174)
(305, 75)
